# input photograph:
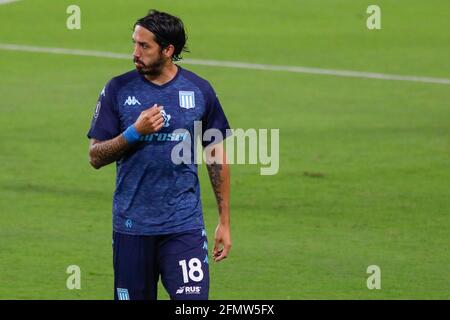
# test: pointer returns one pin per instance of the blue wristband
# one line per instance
(131, 134)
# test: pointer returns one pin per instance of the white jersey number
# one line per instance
(195, 272)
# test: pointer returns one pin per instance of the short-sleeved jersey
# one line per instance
(153, 194)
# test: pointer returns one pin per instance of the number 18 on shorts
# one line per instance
(180, 260)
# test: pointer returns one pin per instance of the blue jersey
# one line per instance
(154, 195)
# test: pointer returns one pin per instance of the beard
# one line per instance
(153, 69)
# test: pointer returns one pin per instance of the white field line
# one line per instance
(7, 1)
(233, 64)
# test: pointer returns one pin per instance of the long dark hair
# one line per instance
(167, 29)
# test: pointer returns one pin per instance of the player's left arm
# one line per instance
(219, 175)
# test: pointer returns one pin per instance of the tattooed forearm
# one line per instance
(219, 174)
(215, 171)
(102, 153)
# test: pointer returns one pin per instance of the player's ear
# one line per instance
(169, 50)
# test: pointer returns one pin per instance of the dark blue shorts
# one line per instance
(180, 259)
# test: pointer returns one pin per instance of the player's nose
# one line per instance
(136, 53)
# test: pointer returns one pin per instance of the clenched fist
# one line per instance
(150, 120)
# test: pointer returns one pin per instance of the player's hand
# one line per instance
(150, 120)
(222, 242)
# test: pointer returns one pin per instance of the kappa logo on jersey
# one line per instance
(131, 101)
(103, 92)
(122, 294)
(166, 118)
(187, 99)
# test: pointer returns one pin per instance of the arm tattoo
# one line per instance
(102, 153)
(214, 171)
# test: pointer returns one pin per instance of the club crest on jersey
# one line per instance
(187, 99)
(131, 101)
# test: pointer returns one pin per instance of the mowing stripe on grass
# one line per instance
(232, 64)
(7, 1)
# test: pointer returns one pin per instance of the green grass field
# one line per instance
(364, 164)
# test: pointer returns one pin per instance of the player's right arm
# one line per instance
(102, 153)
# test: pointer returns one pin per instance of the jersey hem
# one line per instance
(157, 233)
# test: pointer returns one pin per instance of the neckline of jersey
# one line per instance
(157, 86)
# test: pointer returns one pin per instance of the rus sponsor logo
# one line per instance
(189, 290)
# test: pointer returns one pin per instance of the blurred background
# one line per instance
(364, 173)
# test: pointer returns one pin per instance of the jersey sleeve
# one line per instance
(214, 118)
(105, 123)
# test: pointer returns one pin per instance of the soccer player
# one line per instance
(158, 227)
